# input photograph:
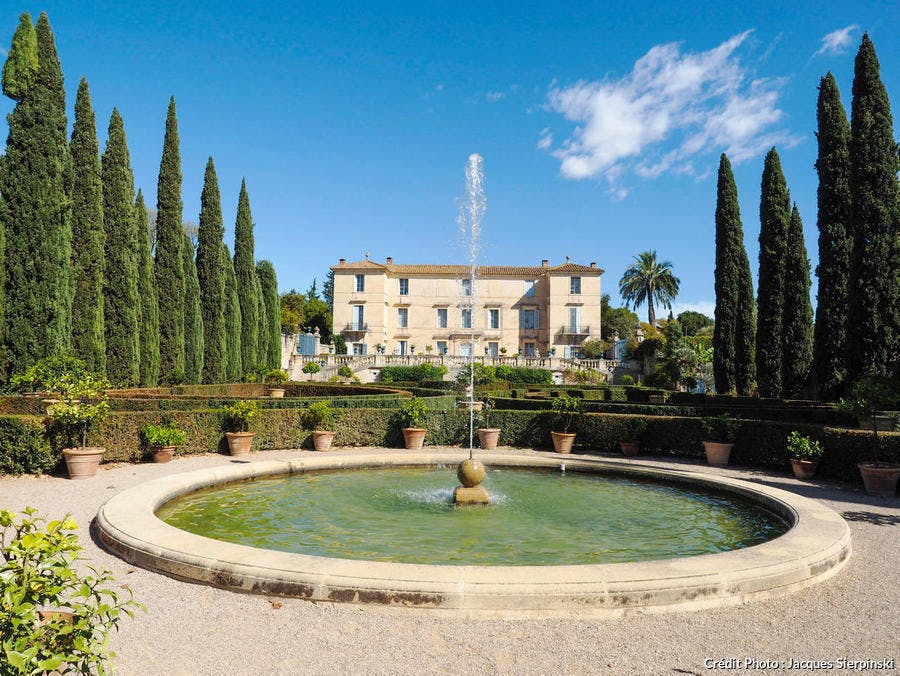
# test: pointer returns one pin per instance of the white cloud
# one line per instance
(836, 42)
(546, 139)
(671, 108)
(493, 97)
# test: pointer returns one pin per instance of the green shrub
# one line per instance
(240, 415)
(50, 373)
(311, 367)
(412, 412)
(84, 402)
(722, 429)
(37, 566)
(566, 410)
(800, 447)
(24, 448)
(317, 416)
(345, 371)
(175, 377)
(626, 380)
(413, 374)
(276, 377)
(167, 434)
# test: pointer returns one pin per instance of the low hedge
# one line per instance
(24, 448)
(416, 374)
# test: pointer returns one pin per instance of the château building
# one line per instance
(434, 309)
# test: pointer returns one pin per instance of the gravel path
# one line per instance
(193, 629)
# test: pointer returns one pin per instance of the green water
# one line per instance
(535, 518)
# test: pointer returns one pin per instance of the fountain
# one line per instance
(472, 207)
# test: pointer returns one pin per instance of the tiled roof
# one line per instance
(481, 271)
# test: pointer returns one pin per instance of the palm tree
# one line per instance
(648, 280)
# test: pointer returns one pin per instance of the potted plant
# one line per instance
(868, 396)
(720, 433)
(319, 418)
(632, 446)
(162, 439)
(503, 351)
(275, 379)
(238, 417)
(805, 455)
(488, 436)
(82, 402)
(411, 414)
(566, 409)
(311, 368)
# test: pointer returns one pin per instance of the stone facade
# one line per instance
(433, 309)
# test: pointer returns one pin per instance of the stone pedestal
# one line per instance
(476, 495)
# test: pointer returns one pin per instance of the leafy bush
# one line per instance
(167, 434)
(239, 415)
(311, 367)
(175, 377)
(318, 416)
(49, 373)
(84, 402)
(23, 447)
(721, 429)
(412, 411)
(276, 377)
(345, 371)
(485, 375)
(413, 374)
(800, 447)
(566, 409)
(37, 566)
(626, 380)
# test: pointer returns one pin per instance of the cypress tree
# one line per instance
(873, 328)
(797, 319)
(232, 320)
(262, 334)
(20, 69)
(211, 277)
(774, 215)
(247, 284)
(88, 328)
(149, 309)
(835, 242)
(36, 218)
(193, 317)
(271, 324)
(735, 327)
(120, 290)
(169, 268)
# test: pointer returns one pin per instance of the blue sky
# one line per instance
(600, 123)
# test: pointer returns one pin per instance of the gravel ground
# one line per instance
(193, 629)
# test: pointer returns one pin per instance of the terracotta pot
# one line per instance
(629, 448)
(414, 438)
(717, 454)
(464, 404)
(162, 453)
(239, 443)
(322, 440)
(880, 478)
(488, 438)
(276, 392)
(48, 615)
(82, 463)
(563, 441)
(804, 469)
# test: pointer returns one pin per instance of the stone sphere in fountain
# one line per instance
(470, 473)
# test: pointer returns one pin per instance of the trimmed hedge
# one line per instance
(416, 374)
(24, 449)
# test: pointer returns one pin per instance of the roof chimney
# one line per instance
(390, 260)
(341, 261)
(593, 264)
(567, 259)
(544, 263)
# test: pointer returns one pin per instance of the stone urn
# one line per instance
(322, 440)
(629, 448)
(804, 469)
(563, 441)
(162, 453)
(880, 478)
(414, 438)
(239, 443)
(82, 462)
(488, 438)
(276, 392)
(717, 454)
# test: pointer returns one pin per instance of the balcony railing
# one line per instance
(356, 327)
(569, 330)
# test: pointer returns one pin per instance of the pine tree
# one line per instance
(272, 323)
(247, 284)
(193, 317)
(735, 327)
(169, 268)
(88, 329)
(835, 242)
(774, 215)
(120, 289)
(233, 371)
(211, 277)
(796, 321)
(149, 310)
(873, 328)
(36, 213)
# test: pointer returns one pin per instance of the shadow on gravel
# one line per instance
(873, 518)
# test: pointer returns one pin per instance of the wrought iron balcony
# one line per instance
(356, 327)
(569, 330)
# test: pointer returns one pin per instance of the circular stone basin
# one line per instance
(815, 546)
(539, 518)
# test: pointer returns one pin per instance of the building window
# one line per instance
(575, 285)
(404, 287)
(442, 347)
(574, 320)
(493, 349)
(529, 318)
(360, 282)
(467, 287)
(529, 288)
(359, 349)
(466, 319)
(494, 318)
(358, 323)
(402, 347)
(402, 317)
(442, 318)
(529, 349)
